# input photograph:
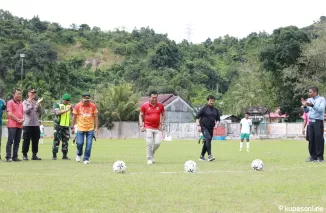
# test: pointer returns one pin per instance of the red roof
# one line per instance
(165, 99)
(276, 114)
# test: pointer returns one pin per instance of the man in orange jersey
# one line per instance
(85, 113)
(151, 120)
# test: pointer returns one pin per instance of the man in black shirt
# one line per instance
(207, 118)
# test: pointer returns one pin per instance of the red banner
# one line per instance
(219, 131)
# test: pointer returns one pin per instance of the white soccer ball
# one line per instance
(190, 166)
(257, 165)
(119, 166)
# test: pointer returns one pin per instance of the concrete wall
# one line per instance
(188, 130)
(270, 130)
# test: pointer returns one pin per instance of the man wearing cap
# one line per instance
(61, 126)
(31, 129)
(85, 112)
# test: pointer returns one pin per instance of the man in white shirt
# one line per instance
(41, 133)
(245, 129)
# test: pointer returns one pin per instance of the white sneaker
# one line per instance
(86, 162)
(149, 162)
(77, 158)
(153, 159)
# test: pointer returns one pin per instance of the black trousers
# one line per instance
(316, 139)
(208, 135)
(31, 133)
(14, 136)
(307, 133)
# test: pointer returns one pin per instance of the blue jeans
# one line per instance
(80, 143)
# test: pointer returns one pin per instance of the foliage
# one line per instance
(280, 58)
(80, 58)
(117, 103)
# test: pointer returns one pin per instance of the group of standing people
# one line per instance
(85, 115)
(23, 120)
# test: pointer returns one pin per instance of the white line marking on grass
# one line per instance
(223, 171)
(300, 167)
(226, 171)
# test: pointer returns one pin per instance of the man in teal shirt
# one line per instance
(2, 109)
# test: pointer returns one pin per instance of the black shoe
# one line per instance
(65, 158)
(9, 160)
(54, 157)
(320, 160)
(36, 158)
(211, 158)
(16, 159)
(310, 159)
(25, 157)
(202, 158)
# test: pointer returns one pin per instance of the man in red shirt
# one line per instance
(15, 125)
(151, 120)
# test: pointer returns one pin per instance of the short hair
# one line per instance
(314, 88)
(210, 97)
(153, 92)
(15, 90)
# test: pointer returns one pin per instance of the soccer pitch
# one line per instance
(225, 185)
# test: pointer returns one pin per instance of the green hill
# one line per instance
(255, 70)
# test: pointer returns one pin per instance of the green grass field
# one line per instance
(225, 185)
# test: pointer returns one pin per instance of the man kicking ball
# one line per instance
(245, 129)
(151, 120)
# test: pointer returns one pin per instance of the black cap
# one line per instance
(85, 94)
(32, 91)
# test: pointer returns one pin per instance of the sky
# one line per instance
(203, 18)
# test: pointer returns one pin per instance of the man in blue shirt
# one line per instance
(315, 106)
(2, 108)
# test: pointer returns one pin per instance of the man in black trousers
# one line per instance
(315, 106)
(207, 118)
(31, 124)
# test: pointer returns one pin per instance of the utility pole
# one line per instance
(189, 32)
(22, 56)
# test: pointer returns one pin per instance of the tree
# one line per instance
(79, 58)
(283, 51)
(166, 55)
(249, 90)
(117, 103)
